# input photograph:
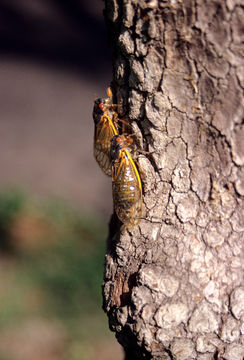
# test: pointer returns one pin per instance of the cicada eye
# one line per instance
(120, 139)
(101, 106)
(115, 148)
(97, 110)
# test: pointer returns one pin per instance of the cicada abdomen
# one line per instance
(126, 183)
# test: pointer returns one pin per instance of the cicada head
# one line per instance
(115, 148)
(98, 110)
(118, 143)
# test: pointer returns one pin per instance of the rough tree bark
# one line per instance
(174, 286)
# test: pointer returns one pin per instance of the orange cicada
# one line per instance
(126, 182)
(105, 120)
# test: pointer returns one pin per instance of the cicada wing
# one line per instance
(127, 192)
(104, 132)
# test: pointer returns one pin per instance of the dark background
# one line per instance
(54, 61)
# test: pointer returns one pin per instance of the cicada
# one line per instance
(105, 120)
(126, 182)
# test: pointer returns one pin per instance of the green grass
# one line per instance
(53, 268)
(11, 203)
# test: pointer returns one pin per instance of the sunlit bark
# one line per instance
(174, 286)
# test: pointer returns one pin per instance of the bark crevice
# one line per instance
(173, 285)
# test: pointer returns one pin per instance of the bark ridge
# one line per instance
(174, 286)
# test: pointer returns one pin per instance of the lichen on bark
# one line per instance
(174, 285)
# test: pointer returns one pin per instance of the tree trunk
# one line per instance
(174, 285)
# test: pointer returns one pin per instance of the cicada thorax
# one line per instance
(106, 127)
(126, 183)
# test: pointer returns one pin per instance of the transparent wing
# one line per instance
(104, 132)
(127, 192)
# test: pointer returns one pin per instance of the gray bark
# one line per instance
(174, 286)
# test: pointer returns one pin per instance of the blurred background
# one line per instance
(55, 202)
